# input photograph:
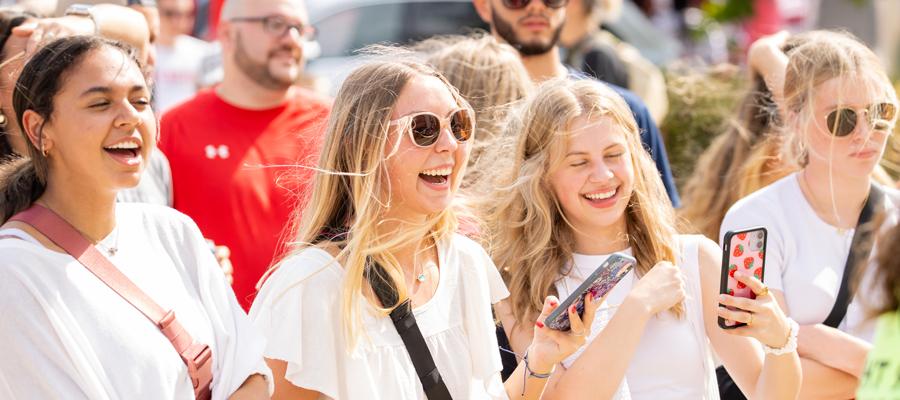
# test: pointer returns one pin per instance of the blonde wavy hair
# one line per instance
(350, 192)
(532, 242)
(491, 77)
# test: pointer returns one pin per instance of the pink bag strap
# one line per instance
(197, 357)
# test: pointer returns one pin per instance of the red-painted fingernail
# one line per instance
(573, 308)
(539, 324)
(553, 303)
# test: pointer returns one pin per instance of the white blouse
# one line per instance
(298, 310)
(66, 335)
(673, 358)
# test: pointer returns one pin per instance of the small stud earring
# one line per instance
(2, 120)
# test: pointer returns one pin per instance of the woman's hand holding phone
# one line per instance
(659, 289)
(765, 320)
(549, 347)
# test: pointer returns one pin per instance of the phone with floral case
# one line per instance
(599, 283)
(745, 251)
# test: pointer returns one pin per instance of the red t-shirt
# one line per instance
(224, 173)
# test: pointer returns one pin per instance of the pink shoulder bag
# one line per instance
(197, 356)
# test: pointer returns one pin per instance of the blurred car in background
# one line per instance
(346, 26)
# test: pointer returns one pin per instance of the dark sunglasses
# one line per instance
(519, 4)
(843, 121)
(425, 127)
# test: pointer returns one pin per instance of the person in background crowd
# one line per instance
(226, 144)
(385, 196)
(490, 76)
(534, 29)
(148, 9)
(738, 162)
(838, 108)
(596, 52)
(84, 107)
(179, 55)
(156, 187)
(579, 189)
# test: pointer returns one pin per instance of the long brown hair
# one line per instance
(532, 242)
(740, 161)
(736, 163)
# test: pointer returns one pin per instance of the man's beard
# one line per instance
(505, 30)
(258, 72)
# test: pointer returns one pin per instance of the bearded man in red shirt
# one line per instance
(230, 147)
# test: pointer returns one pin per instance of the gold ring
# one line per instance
(764, 292)
(750, 322)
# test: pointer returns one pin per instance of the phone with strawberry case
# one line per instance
(745, 251)
(599, 283)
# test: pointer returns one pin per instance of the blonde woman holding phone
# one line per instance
(581, 188)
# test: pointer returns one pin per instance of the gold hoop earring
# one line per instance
(44, 152)
(2, 120)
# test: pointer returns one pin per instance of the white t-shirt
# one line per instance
(672, 360)
(298, 310)
(178, 70)
(805, 256)
(66, 335)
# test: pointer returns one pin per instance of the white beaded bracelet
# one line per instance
(790, 346)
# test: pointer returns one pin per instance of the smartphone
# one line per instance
(743, 250)
(599, 283)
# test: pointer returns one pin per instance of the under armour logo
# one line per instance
(220, 151)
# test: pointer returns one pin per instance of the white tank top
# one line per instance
(672, 360)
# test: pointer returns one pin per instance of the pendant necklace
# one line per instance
(111, 250)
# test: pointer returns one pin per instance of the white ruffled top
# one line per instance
(298, 310)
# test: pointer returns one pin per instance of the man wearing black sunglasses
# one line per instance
(223, 143)
(533, 27)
